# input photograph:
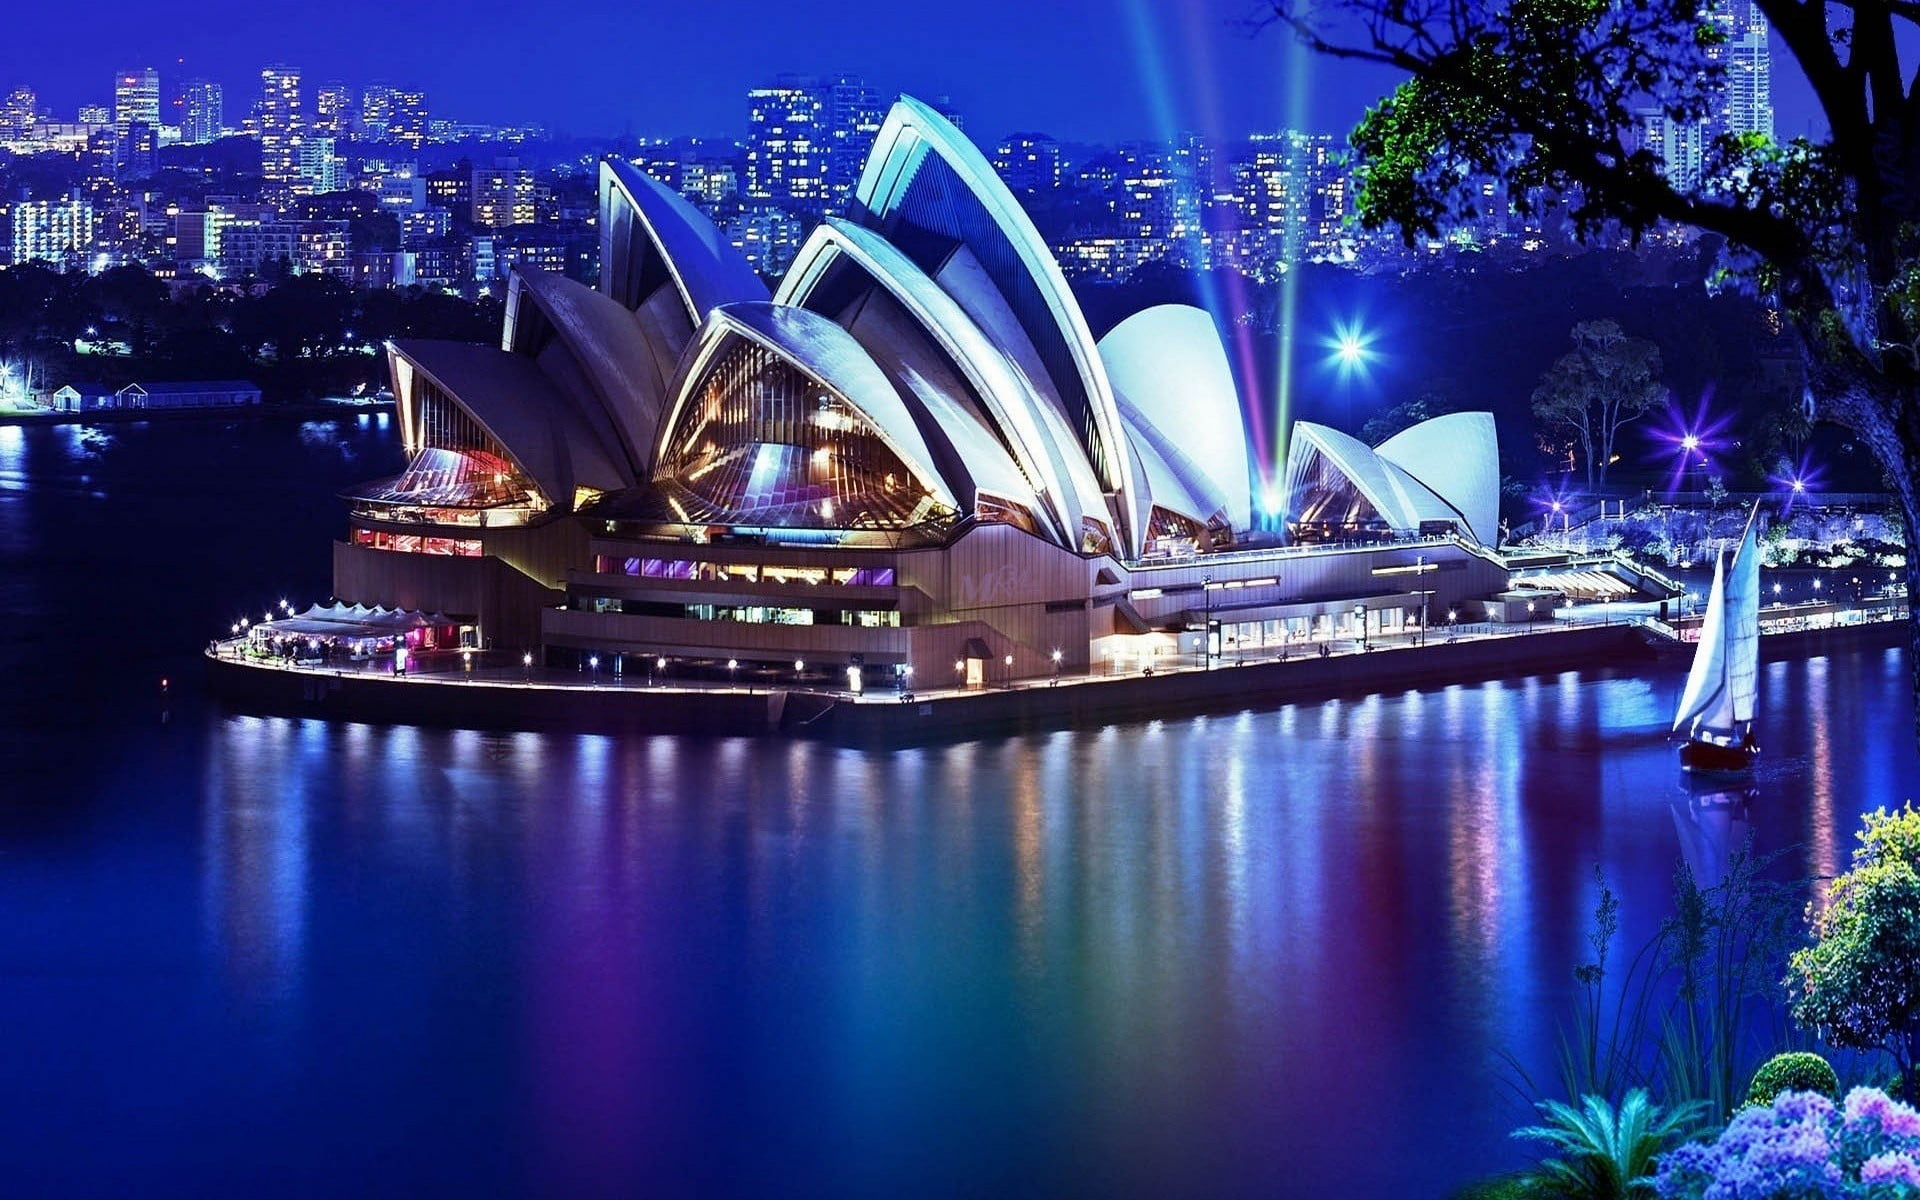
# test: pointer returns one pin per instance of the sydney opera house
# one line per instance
(909, 460)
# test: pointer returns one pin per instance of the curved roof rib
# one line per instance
(928, 190)
(1059, 476)
(825, 353)
(516, 405)
(650, 236)
(1171, 377)
(583, 339)
(1402, 501)
(1457, 457)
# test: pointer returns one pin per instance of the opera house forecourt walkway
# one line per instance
(908, 471)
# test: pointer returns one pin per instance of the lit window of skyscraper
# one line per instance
(330, 104)
(787, 145)
(1747, 105)
(205, 112)
(407, 121)
(136, 97)
(1028, 162)
(53, 231)
(18, 113)
(281, 126)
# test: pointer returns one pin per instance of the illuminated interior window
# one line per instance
(1326, 505)
(995, 510)
(760, 442)
(1096, 537)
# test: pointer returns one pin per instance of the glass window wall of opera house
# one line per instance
(911, 458)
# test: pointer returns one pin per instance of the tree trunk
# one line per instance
(1885, 416)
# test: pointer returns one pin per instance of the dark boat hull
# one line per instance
(1707, 758)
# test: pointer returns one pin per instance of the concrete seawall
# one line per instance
(716, 712)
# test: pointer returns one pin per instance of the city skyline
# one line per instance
(1205, 69)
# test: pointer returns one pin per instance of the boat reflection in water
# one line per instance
(1714, 826)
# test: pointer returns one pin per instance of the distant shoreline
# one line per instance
(306, 409)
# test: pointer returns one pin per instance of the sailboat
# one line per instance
(1717, 707)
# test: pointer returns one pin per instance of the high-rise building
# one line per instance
(53, 231)
(1746, 106)
(408, 120)
(788, 145)
(204, 112)
(94, 114)
(137, 152)
(319, 166)
(1677, 145)
(281, 127)
(332, 103)
(376, 111)
(136, 97)
(808, 138)
(18, 114)
(503, 195)
(854, 111)
(1028, 162)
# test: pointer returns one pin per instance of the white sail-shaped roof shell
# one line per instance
(1402, 501)
(646, 227)
(828, 354)
(1060, 482)
(541, 430)
(961, 210)
(596, 345)
(1467, 494)
(1171, 377)
(1164, 477)
(1457, 457)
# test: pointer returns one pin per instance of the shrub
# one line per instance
(1605, 1154)
(1798, 1071)
(1858, 985)
(1802, 1147)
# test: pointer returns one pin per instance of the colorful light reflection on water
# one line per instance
(1273, 953)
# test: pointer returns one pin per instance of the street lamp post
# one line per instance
(526, 663)
(1206, 644)
(1360, 615)
(733, 672)
(1008, 661)
(1056, 668)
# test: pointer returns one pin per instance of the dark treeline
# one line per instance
(299, 337)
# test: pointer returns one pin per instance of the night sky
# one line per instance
(1098, 70)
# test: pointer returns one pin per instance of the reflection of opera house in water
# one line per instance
(912, 454)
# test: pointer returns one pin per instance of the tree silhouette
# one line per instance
(1606, 382)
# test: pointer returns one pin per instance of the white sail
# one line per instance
(1706, 690)
(1743, 630)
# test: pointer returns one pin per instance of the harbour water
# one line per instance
(1279, 952)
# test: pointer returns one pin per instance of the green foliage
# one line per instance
(1685, 1015)
(1858, 984)
(1606, 382)
(1604, 1153)
(1889, 837)
(1405, 415)
(1795, 1071)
